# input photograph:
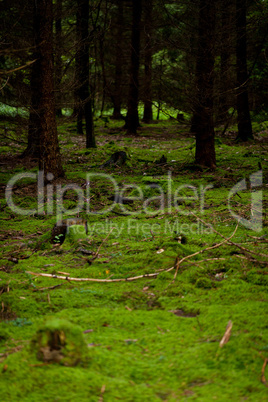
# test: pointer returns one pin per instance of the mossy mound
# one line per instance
(61, 342)
(76, 233)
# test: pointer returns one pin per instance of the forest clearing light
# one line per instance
(166, 200)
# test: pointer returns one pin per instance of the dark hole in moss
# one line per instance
(182, 313)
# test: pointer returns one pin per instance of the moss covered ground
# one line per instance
(156, 337)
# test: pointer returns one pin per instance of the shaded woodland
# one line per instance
(133, 208)
(203, 63)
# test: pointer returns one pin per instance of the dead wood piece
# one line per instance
(85, 251)
(68, 278)
(97, 252)
(176, 266)
(117, 158)
(48, 288)
(13, 259)
(244, 249)
(227, 334)
(178, 262)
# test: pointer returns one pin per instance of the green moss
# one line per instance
(156, 338)
(204, 282)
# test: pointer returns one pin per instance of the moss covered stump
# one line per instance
(60, 341)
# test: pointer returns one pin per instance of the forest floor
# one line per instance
(191, 325)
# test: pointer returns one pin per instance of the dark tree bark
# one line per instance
(42, 135)
(102, 51)
(58, 53)
(132, 120)
(148, 112)
(33, 146)
(79, 79)
(117, 94)
(202, 123)
(84, 106)
(225, 54)
(243, 115)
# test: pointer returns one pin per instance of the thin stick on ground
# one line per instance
(246, 250)
(49, 288)
(179, 262)
(68, 278)
(134, 278)
(227, 334)
(97, 252)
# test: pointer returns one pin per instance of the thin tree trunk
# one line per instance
(148, 112)
(225, 54)
(104, 80)
(243, 115)
(132, 120)
(58, 52)
(42, 134)
(202, 124)
(49, 160)
(33, 146)
(82, 74)
(105, 86)
(79, 79)
(117, 95)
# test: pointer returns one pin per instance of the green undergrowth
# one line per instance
(155, 338)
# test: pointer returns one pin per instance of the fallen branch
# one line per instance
(49, 288)
(246, 250)
(97, 252)
(227, 334)
(178, 262)
(68, 278)
(243, 257)
(152, 275)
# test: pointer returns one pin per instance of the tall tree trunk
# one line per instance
(42, 123)
(33, 145)
(79, 79)
(243, 115)
(202, 123)
(82, 74)
(148, 112)
(225, 54)
(117, 95)
(105, 85)
(50, 160)
(132, 120)
(58, 53)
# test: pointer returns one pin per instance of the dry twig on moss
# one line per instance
(97, 252)
(246, 250)
(227, 334)
(68, 278)
(177, 264)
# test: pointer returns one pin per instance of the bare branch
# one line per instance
(4, 72)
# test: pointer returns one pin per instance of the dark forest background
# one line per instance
(201, 62)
